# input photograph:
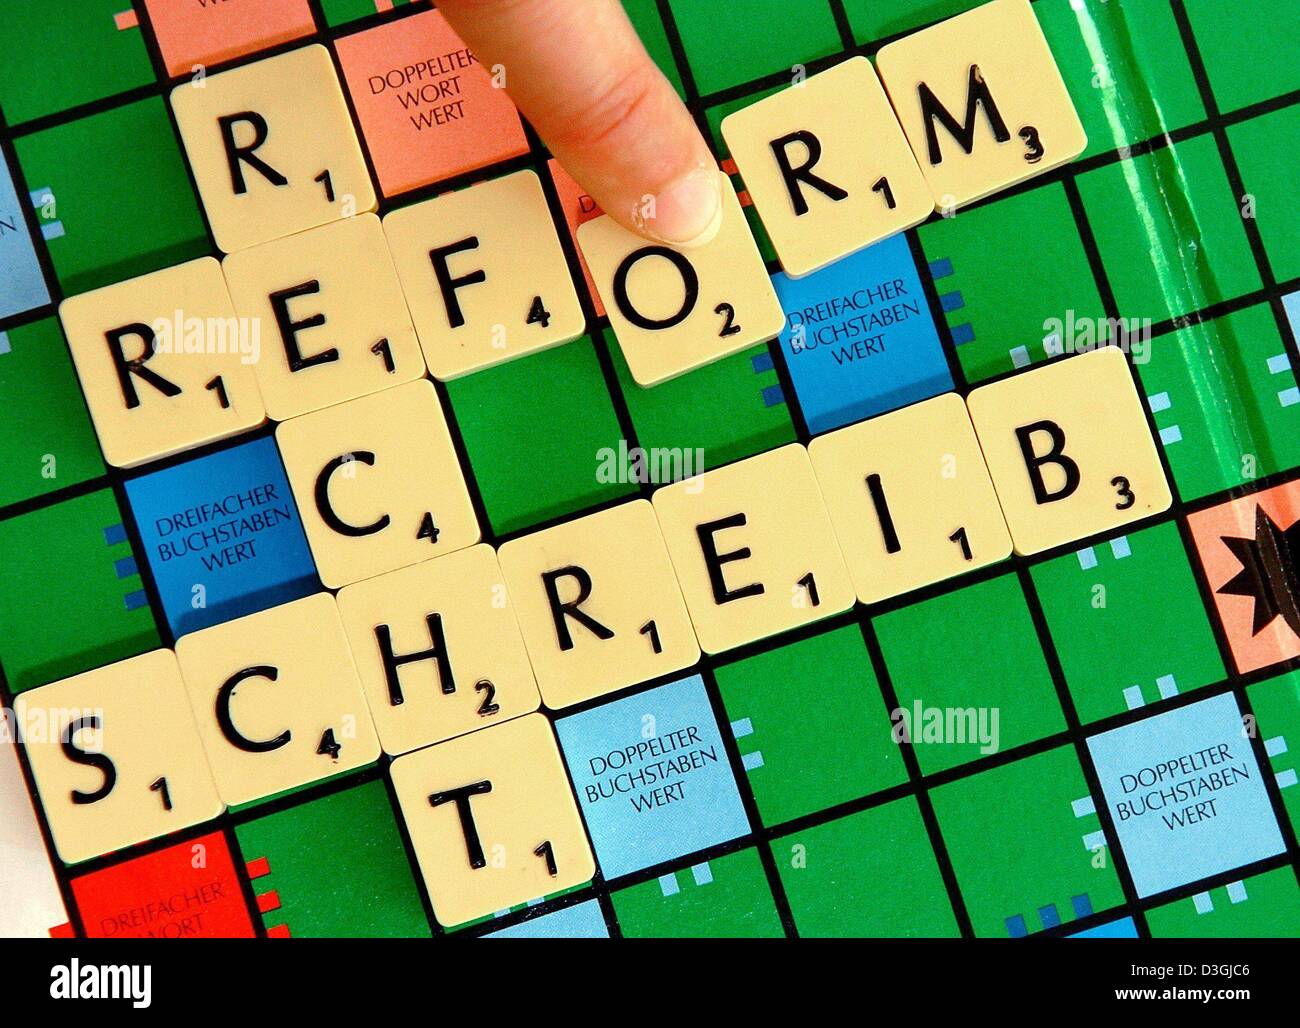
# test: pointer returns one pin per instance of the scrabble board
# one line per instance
(1081, 727)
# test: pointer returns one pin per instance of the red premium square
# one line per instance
(201, 32)
(189, 890)
(428, 109)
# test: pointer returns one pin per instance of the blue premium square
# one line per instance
(1124, 928)
(859, 339)
(1186, 795)
(652, 776)
(580, 921)
(222, 536)
(22, 286)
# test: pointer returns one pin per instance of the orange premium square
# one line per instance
(192, 32)
(1250, 548)
(428, 109)
(578, 208)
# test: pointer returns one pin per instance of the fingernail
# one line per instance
(688, 212)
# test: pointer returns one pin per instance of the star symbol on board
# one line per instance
(1269, 573)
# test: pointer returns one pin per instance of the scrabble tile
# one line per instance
(427, 108)
(484, 274)
(116, 756)
(598, 604)
(336, 323)
(62, 55)
(492, 819)
(1069, 450)
(673, 310)
(754, 549)
(438, 649)
(23, 285)
(30, 902)
(827, 166)
(164, 362)
(187, 891)
(378, 483)
(334, 867)
(277, 699)
(910, 498)
(652, 776)
(222, 536)
(1207, 830)
(192, 35)
(71, 596)
(272, 148)
(859, 338)
(981, 101)
(46, 440)
(109, 212)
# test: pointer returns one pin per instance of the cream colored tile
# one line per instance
(484, 274)
(277, 699)
(754, 549)
(378, 483)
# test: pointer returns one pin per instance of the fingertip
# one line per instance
(686, 213)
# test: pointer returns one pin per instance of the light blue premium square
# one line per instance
(1186, 795)
(859, 339)
(223, 536)
(580, 921)
(1291, 304)
(652, 777)
(22, 287)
